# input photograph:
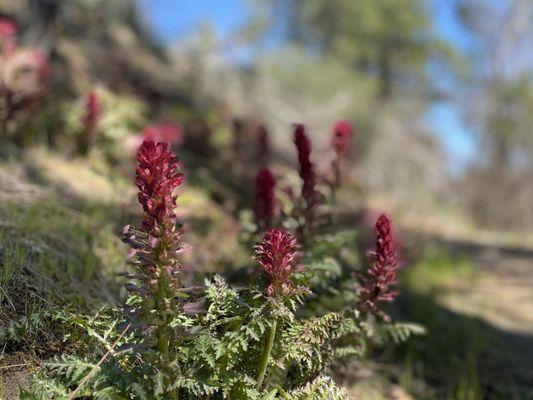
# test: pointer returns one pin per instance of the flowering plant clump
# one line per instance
(277, 254)
(382, 274)
(181, 335)
(24, 81)
(212, 341)
(265, 199)
(26, 76)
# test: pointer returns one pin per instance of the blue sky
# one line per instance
(458, 141)
(171, 19)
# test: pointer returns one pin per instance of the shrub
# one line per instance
(266, 340)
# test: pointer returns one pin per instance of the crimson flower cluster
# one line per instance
(26, 75)
(278, 254)
(265, 200)
(157, 242)
(8, 30)
(93, 111)
(340, 142)
(382, 274)
(341, 137)
(307, 173)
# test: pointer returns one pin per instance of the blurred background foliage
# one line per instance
(382, 64)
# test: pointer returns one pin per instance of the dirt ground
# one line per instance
(503, 295)
(495, 311)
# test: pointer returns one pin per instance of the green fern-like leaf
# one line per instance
(396, 333)
(305, 342)
(322, 388)
(73, 369)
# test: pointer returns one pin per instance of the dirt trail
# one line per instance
(502, 295)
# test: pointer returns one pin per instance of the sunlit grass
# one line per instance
(61, 254)
(438, 270)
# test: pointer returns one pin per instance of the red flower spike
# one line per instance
(277, 254)
(307, 174)
(340, 142)
(382, 274)
(156, 178)
(157, 243)
(265, 200)
(8, 28)
(341, 137)
(93, 111)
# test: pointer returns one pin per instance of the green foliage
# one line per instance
(18, 331)
(61, 248)
(121, 121)
(436, 271)
(217, 358)
(308, 343)
(390, 39)
(320, 388)
(216, 349)
(396, 333)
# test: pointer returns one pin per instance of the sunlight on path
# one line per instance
(503, 295)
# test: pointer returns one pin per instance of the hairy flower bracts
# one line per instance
(157, 242)
(157, 177)
(376, 285)
(265, 199)
(310, 194)
(278, 254)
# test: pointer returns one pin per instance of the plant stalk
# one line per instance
(265, 357)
